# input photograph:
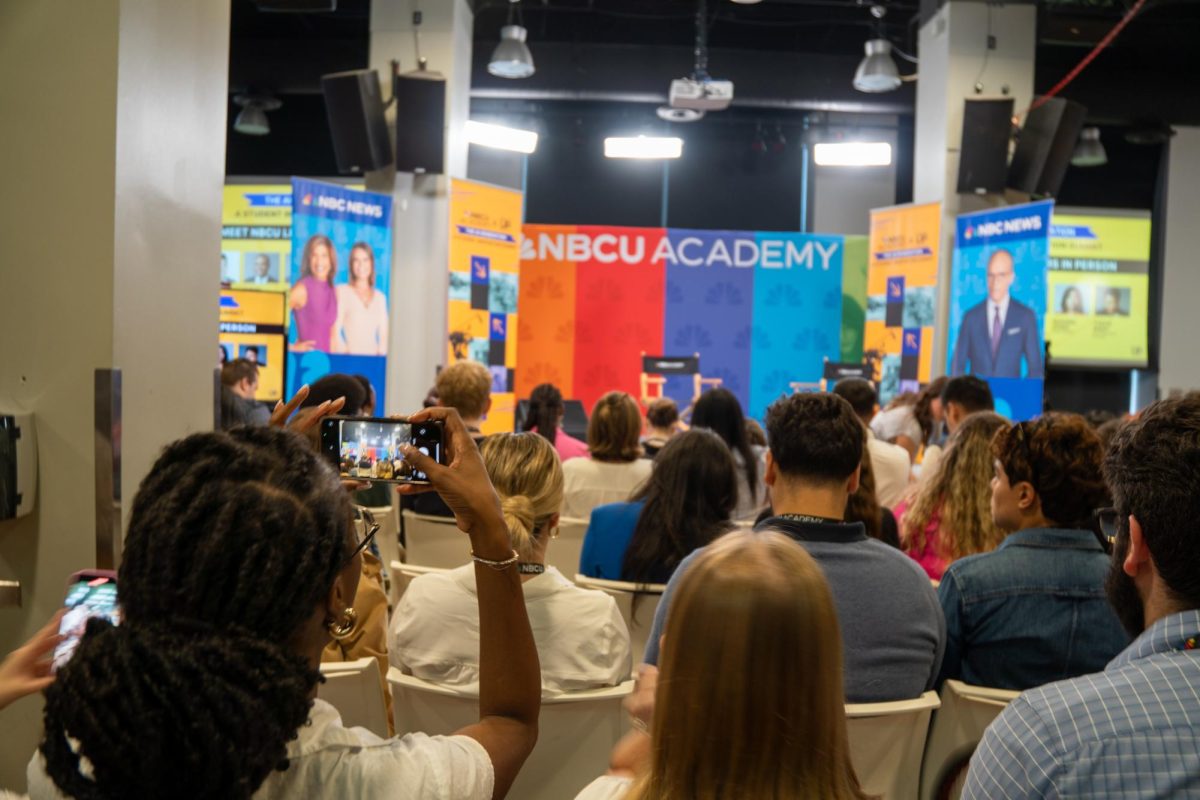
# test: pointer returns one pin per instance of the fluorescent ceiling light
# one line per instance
(501, 137)
(853, 154)
(643, 147)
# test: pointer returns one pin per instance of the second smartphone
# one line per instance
(368, 448)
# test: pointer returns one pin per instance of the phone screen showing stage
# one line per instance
(369, 449)
(88, 597)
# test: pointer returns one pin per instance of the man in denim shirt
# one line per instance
(1034, 611)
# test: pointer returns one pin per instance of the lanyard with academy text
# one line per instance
(810, 520)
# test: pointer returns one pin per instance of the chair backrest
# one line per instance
(576, 731)
(648, 595)
(388, 538)
(355, 689)
(565, 551)
(887, 742)
(957, 728)
(671, 365)
(402, 576)
(434, 541)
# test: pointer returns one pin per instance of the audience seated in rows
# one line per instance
(1129, 731)
(719, 411)
(891, 463)
(685, 504)
(614, 469)
(581, 638)
(912, 421)
(893, 632)
(963, 396)
(950, 515)
(239, 384)
(240, 559)
(546, 411)
(662, 422)
(465, 386)
(1034, 610)
(748, 704)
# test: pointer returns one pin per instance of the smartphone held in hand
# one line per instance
(369, 448)
(90, 593)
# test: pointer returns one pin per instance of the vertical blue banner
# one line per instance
(340, 279)
(709, 300)
(998, 303)
(797, 313)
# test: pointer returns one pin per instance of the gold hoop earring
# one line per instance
(340, 630)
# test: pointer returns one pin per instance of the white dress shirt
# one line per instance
(588, 483)
(991, 315)
(328, 760)
(581, 639)
(892, 467)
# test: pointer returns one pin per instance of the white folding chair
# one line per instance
(887, 742)
(957, 728)
(648, 595)
(402, 576)
(564, 551)
(355, 689)
(434, 541)
(576, 731)
(388, 538)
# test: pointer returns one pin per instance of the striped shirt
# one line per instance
(1132, 731)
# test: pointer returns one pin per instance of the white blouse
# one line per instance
(361, 330)
(606, 787)
(328, 760)
(588, 483)
(581, 639)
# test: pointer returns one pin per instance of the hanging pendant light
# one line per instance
(511, 58)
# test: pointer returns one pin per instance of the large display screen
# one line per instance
(1098, 288)
(252, 327)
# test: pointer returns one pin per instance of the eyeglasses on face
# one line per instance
(1107, 520)
(365, 528)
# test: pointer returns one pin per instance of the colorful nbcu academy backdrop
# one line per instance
(998, 303)
(763, 310)
(340, 274)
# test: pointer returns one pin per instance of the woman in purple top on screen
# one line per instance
(313, 300)
(546, 410)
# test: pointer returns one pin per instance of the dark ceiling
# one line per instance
(783, 54)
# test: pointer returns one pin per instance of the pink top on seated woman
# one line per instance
(950, 515)
(545, 416)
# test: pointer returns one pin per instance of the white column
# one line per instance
(1178, 367)
(954, 55)
(420, 222)
(113, 158)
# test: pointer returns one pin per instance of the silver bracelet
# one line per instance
(497, 565)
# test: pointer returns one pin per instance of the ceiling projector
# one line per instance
(702, 95)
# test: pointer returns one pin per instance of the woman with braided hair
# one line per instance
(241, 560)
(582, 640)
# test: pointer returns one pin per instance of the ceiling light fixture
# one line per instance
(501, 137)
(643, 147)
(852, 154)
(877, 71)
(252, 119)
(671, 114)
(1089, 150)
(511, 58)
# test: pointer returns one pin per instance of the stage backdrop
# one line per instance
(1000, 261)
(762, 309)
(338, 329)
(902, 295)
(485, 264)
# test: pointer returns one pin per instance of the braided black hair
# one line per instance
(233, 540)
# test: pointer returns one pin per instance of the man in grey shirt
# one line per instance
(893, 631)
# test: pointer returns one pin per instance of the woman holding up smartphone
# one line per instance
(241, 559)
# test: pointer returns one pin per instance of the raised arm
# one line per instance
(510, 682)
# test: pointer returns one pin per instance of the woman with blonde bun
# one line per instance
(582, 640)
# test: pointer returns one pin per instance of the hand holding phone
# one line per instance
(90, 593)
(27, 669)
(373, 448)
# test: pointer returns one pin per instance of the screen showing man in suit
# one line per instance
(1000, 333)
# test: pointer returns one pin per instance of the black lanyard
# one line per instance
(811, 520)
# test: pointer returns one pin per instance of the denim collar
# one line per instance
(1053, 538)
(1171, 633)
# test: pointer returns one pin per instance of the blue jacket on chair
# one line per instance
(609, 532)
(1020, 338)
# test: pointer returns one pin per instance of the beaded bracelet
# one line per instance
(497, 565)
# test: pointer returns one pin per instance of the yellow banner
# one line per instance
(256, 236)
(252, 327)
(485, 264)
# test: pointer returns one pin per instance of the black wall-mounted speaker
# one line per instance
(421, 122)
(1044, 147)
(983, 156)
(355, 109)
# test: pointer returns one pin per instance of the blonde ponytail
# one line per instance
(527, 474)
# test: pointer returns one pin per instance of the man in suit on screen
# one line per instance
(998, 332)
